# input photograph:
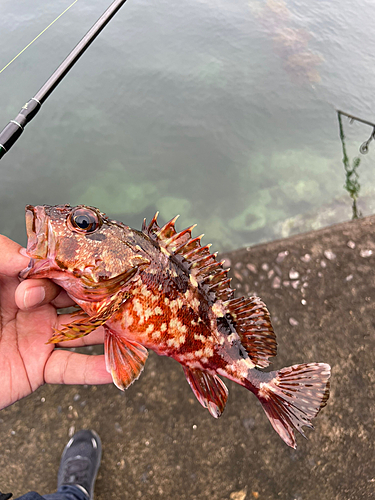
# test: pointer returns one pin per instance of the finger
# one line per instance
(66, 367)
(33, 293)
(11, 262)
(63, 300)
(94, 338)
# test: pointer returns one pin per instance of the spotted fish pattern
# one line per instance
(161, 289)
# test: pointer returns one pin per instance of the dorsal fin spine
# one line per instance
(186, 244)
(216, 278)
(208, 272)
(173, 221)
(168, 228)
(197, 239)
(153, 224)
(198, 260)
(175, 237)
(154, 219)
(221, 284)
(194, 254)
(191, 242)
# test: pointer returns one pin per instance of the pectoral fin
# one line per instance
(209, 389)
(124, 359)
(88, 324)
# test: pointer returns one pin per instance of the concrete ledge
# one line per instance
(159, 443)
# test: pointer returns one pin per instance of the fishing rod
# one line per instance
(11, 133)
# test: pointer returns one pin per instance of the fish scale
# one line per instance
(161, 289)
(163, 324)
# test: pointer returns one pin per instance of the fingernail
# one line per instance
(23, 252)
(33, 297)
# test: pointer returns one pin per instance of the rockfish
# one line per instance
(160, 289)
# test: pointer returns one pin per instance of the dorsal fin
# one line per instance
(152, 227)
(253, 324)
(201, 264)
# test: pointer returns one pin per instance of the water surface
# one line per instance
(221, 112)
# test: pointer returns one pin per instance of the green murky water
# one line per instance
(221, 111)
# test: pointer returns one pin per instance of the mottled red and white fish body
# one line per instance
(160, 289)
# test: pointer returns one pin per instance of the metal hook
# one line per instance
(364, 146)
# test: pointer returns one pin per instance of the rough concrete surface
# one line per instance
(158, 442)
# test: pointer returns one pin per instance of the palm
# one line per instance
(26, 360)
(23, 349)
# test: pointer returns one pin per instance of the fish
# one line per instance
(162, 290)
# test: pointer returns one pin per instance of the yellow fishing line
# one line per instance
(45, 29)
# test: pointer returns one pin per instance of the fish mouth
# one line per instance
(37, 232)
(39, 268)
(37, 243)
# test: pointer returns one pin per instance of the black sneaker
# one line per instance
(80, 462)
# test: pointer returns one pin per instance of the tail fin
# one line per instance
(293, 396)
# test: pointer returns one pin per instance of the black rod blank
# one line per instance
(10, 134)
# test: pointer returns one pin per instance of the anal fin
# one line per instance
(209, 389)
(124, 359)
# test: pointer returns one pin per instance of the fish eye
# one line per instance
(84, 220)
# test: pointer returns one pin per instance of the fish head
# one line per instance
(80, 243)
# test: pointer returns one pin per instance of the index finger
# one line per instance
(11, 261)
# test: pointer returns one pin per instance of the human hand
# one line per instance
(28, 314)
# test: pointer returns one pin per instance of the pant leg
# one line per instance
(67, 492)
(32, 495)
